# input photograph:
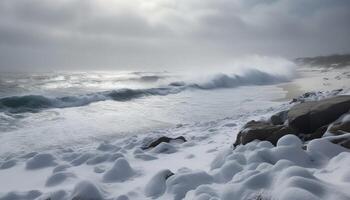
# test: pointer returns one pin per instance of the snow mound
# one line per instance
(8, 164)
(55, 195)
(58, 178)
(157, 185)
(98, 159)
(164, 148)
(60, 168)
(108, 147)
(81, 159)
(181, 183)
(30, 195)
(122, 197)
(40, 161)
(227, 171)
(120, 172)
(259, 170)
(145, 157)
(86, 190)
(290, 140)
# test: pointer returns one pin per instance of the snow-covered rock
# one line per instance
(157, 185)
(120, 171)
(58, 178)
(179, 184)
(86, 190)
(40, 161)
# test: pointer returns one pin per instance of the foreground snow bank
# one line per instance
(259, 170)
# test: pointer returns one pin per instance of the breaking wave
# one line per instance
(35, 103)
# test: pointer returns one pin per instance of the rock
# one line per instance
(316, 134)
(339, 128)
(308, 96)
(305, 96)
(344, 142)
(261, 130)
(275, 136)
(164, 139)
(279, 118)
(309, 116)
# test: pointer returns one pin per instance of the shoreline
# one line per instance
(292, 90)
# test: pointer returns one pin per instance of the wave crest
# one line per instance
(35, 103)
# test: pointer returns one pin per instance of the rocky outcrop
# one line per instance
(308, 120)
(262, 130)
(309, 116)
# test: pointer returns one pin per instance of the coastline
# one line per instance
(292, 90)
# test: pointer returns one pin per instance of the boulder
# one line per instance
(262, 130)
(279, 118)
(309, 116)
(314, 135)
(165, 140)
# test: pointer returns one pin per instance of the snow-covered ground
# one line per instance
(205, 167)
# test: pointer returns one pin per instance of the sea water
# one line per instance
(45, 110)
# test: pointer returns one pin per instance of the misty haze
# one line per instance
(174, 99)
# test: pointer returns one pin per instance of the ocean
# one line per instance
(41, 110)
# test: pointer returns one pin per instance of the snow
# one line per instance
(86, 190)
(281, 171)
(40, 161)
(58, 178)
(164, 148)
(157, 185)
(121, 171)
(182, 182)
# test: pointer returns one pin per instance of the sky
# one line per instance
(165, 34)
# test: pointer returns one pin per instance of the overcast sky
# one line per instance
(165, 34)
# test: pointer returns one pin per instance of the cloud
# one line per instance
(157, 34)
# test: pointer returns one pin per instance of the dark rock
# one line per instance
(302, 98)
(275, 136)
(309, 116)
(169, 174)
(279, 118)
(261, 130)
(311, 96)
(164, 139)
(339, 128)
(316, 134)
(343, 142)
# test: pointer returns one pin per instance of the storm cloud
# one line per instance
(162, 34)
